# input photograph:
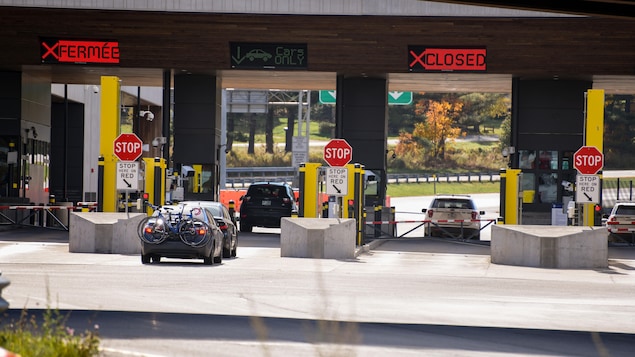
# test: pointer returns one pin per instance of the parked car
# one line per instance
(179, 231)
(226, 223)
(453, 216)
(265, 204)
(621, 222)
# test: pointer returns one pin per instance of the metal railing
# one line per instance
(244, 176)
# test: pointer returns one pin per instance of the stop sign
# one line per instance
(338, 152)
(588, 160)
(128, 147)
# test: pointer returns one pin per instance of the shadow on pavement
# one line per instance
(137, 326)
(33, 234)
(435, 245)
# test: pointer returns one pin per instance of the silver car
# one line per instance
(621, 222)
(454, 216)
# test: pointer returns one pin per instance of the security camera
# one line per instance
(95, 89)
(147, 115)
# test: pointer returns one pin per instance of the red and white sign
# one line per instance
(588, 160)
(434, 59)
(338, 152)
(128, 147)
(79, 51)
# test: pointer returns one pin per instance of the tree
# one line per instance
(269, 131)
(251, 149)
(619, 131)
(438, 126)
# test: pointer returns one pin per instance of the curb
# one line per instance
(368, 246)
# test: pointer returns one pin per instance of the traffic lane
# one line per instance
(409, 209)
(391, 286)
(162, 334)
(383, 288)
(434, 246)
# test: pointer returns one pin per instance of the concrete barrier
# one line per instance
(572, 247)
(329, 238)
(104, 232)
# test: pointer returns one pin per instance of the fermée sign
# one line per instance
(446, 59)
(79, 51)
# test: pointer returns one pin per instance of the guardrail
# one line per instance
(238, 177)
(420, 178)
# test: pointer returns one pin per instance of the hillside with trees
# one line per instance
(438, 132)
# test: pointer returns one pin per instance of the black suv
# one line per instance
(265, 204)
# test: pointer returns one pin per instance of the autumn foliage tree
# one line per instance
(439, 125)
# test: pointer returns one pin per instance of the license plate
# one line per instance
(266, 202)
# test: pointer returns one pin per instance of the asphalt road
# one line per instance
(409, 296)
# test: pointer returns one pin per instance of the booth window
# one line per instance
(527, 159)
(528, 186)
(548, 160)
(548, 188)
(547, 175)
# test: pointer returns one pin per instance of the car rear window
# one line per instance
(625, 210)
(451, 203)
(267, 191)
(195, 212)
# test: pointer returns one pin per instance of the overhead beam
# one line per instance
(601, 8)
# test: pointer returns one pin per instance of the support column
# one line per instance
(594, 136)
(109, 130)
(362, 119)
(197, 129)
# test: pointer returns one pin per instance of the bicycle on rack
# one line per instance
(171, 222)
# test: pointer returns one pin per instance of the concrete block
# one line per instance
(104, 232)
(329, 238)
(563, 247)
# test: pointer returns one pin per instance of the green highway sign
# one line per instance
(327, 96)
(394, 98)
(399, 98)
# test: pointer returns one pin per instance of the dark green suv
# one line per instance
(265, 204)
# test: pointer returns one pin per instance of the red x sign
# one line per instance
(79, 51)
(429, 59)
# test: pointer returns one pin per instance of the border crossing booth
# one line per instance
(332, 192)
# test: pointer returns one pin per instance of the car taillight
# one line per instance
(201, 231)
(474, 214)
(430, 213)
(246, 198)
(286, 200)
(148, 230)
(223, 227)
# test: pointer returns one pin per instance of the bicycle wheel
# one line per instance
(194, 232)
(152, 230)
